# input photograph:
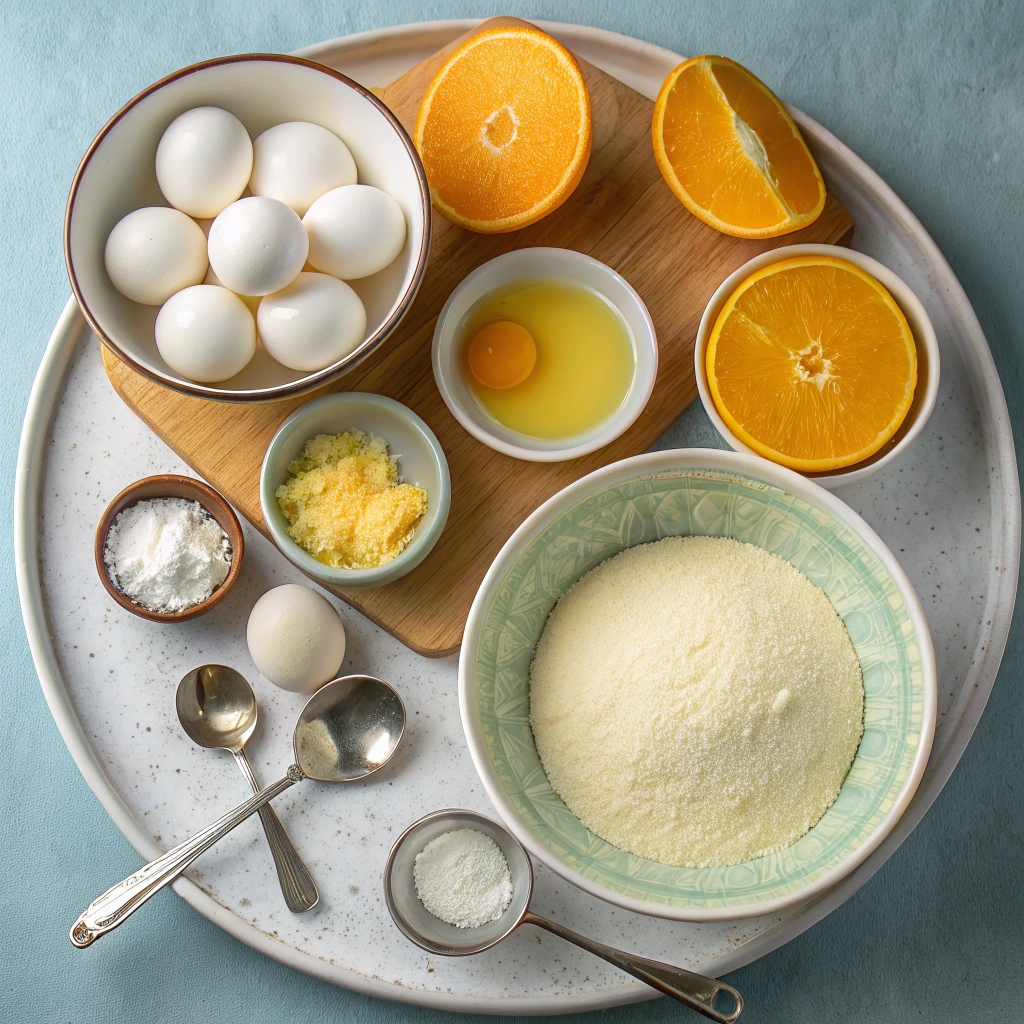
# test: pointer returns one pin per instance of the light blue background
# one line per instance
(931, 94)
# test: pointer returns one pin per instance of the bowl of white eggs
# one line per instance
(248, 228)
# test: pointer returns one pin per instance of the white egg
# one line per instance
(153, 253)
(297, 162)
(257, 245)
(296, 638)
(354, 231)
(205, 333)
(313, 322)
(203, 161)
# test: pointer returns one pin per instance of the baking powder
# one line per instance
(462, 877)
(166, 554)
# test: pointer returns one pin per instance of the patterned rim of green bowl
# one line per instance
(715, 493)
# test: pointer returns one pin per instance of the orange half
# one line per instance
(812, 364)
(504, 130)
(731, 153)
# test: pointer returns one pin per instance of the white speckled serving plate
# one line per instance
(949, 511)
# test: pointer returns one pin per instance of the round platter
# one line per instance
(950, 512)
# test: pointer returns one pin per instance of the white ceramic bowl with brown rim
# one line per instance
(118, 175)
(921, 327)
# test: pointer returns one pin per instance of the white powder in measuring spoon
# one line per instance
(462, 878)
(166, 554)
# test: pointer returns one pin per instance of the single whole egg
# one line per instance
(257, 245)
(153, 253)
(296, 638)
(312, 322)
(354, 231)
(203, 161)
(205, 333)
(297, 162)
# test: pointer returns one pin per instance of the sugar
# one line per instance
(166, 554)
(696, 701)
(462, 878)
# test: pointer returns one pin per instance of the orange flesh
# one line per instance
(731, 153)
(812, 364)
(504, 130)
(502, 355)
(792, 171)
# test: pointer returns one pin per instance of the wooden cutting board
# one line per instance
(623, 214)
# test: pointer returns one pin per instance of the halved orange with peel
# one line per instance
(812, 364)
(504, 129)
(731, 153)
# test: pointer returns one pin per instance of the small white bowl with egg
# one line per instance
(542, 264)
(128, 168)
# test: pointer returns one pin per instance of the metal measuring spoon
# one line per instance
(437, 936)
(217, 709)
(345, 731)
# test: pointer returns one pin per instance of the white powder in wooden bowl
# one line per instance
(696, 701)
(166, 554)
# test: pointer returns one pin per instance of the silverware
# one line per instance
(217, 709)
(437, 936)
(345, 731)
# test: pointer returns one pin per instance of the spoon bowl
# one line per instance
(714, 999)
(348, 729)
(216, 707)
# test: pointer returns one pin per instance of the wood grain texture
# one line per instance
(623, 214)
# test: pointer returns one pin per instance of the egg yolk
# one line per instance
(502, 355)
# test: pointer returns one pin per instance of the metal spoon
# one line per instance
(217, 709)
(437, 936)
(345, 731)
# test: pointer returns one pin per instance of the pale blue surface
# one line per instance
(931, 94)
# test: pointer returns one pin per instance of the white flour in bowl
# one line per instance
(696, 701)
(166, 554)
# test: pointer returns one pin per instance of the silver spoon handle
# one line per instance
(107, 911)
(695, 990)
(300, 892)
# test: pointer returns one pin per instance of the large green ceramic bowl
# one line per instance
(718, 494)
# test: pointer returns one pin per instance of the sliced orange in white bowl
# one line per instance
(729, 150)
(812, 364)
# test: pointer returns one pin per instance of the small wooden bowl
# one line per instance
(169, 485)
